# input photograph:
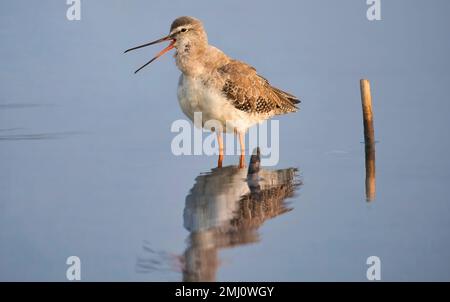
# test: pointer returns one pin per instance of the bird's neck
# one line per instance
(197, 60)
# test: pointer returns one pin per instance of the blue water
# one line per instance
(87, 169)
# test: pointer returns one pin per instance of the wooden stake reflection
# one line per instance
(370, 172)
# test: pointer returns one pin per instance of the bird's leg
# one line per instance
(220, 141)
(242, 143)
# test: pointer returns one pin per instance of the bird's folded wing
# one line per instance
(252, 93)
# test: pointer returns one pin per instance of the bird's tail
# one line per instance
(288, 101)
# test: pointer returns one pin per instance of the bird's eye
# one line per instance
(183, 30)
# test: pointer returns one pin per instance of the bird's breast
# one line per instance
(190, 95)
(198, 95)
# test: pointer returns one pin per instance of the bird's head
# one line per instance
(185, 33)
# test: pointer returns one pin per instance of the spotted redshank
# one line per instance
(225, 90)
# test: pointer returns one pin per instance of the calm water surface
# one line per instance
(87, 169)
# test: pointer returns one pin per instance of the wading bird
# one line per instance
(221, 88)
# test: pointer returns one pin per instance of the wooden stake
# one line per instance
(366, 99)
(369, 139)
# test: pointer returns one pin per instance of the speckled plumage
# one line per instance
(222, 88)
(252, 93)
(229, 95)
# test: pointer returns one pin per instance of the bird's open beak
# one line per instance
(167, 38)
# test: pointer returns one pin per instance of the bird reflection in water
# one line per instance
(226, 207)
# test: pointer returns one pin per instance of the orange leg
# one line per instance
(220, 141)
(242, 143)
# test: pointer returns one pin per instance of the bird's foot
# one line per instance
(242, 161)
(219, 161)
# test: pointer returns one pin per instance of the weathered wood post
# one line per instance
(369, 139)
(366, 99)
